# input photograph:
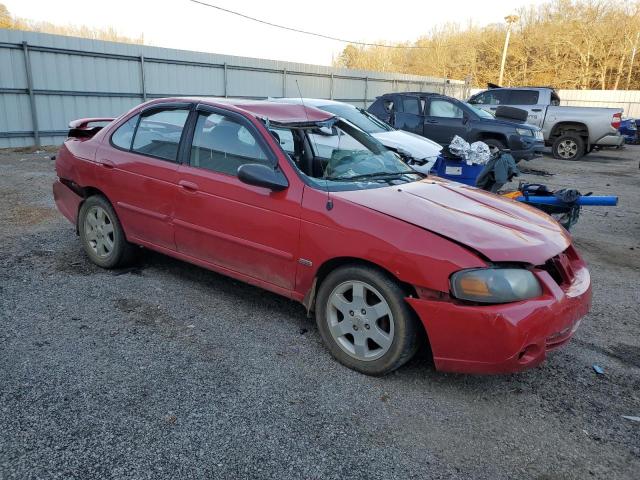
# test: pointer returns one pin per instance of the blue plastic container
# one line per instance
(456, 170)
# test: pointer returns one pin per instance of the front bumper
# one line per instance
(510, 337)
(526, 148)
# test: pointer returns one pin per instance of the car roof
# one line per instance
(420, 94)
(265, 109)
(311, 102)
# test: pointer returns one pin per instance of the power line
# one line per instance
(320, 35)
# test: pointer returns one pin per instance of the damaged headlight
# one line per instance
(495, 285)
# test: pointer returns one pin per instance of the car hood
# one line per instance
(500, 229)
(508, 123)
(419, 147)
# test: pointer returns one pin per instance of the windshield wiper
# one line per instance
(380, 175)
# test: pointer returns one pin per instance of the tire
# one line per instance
(568, 146)
(493, 144)
(101, 234)
(352, 324)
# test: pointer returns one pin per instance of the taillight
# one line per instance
(615, 121)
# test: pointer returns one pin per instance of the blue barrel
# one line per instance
(456, 170)
(605, 201)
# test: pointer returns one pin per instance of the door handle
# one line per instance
(106, 163)
(536, 109)
(189, 186)
(493, 108)
(432, 121)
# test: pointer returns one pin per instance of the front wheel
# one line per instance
(568, 146)
(364, 320)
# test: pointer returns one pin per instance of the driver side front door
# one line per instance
(443, 121)
(235, 228)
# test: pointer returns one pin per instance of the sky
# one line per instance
(185, 25)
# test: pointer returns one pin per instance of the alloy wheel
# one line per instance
(567, 149)
(98, 230)
(360, 320)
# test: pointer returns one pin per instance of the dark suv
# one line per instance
(439, 118)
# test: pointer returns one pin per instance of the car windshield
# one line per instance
(360, 118)
(339, 156)
(481, 113)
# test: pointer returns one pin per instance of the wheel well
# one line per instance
(332, 264)
(493, 136)
(85, 192)
(569, 127)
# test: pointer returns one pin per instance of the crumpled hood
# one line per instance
(419, 147)
(502, 230)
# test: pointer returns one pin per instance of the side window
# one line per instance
(123, 136)
(221, 144)
(388, 105)
(377, 107)
(444, 109)
(159, 133)
(524, 97)
(411, 105)
(284, 137)
(491, 97)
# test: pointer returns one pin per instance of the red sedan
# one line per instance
(301, 203)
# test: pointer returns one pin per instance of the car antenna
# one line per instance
(329, 201)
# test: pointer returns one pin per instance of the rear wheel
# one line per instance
(101, 234)
(568, 146)
(364, 320)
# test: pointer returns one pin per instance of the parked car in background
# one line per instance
(570, 131)
(385, 257)
(418, 151)
(629, 130)
(440, 118)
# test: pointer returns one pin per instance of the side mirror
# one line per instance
(465, 118)
(262, 176)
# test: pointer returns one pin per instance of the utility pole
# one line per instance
(633, 56)
(510, 19)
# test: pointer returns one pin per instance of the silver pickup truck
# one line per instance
(570, 131)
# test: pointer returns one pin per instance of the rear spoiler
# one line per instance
(81, 128)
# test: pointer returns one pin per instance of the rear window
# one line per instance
(524, 97)
(123, 136)
(158, 133)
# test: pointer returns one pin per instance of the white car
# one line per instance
(419, 152)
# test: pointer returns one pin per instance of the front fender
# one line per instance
(410, 253)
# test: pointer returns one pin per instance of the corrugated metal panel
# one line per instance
(75, 77)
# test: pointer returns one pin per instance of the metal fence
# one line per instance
(48, 80)
(628, 100)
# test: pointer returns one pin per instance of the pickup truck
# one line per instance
(571, 132)
(439, 118)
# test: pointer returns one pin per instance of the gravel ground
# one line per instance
(167, 370)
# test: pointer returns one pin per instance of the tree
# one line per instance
(564, 43)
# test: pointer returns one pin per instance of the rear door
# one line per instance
(529, 100)
(409, 113)
(138, 172)
(238, 228)
(444, 120)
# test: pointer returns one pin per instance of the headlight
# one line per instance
(525, 132)
(495, 285)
